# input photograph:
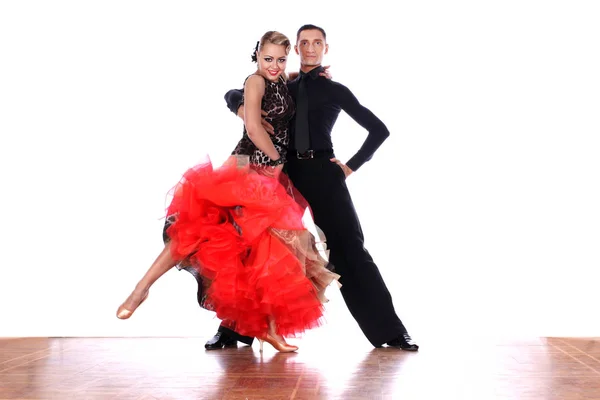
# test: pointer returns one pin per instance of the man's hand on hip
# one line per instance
(344, 167)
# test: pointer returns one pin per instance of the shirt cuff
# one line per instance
(355, 163)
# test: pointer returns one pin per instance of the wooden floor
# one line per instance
(180, 368)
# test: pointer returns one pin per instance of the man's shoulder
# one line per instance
(332, 85)
(336, 84)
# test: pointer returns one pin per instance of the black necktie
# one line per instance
(301, 135)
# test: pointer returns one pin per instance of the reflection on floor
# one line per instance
(180, 368)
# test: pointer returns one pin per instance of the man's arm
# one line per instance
(235, 102)
(234, 99)
(378, 132)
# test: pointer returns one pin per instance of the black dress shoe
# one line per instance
(404, 342)
(219, 341)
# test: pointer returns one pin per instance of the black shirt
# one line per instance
(326, 99)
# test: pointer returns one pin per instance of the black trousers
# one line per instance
(323, 185)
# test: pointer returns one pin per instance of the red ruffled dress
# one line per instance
(242, 229)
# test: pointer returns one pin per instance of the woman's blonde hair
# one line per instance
(275, 37)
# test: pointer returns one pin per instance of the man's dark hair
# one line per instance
(309, 27)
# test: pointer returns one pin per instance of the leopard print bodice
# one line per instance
(279, 106)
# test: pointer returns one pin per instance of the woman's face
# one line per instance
(272, 60)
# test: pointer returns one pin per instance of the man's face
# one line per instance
(311, 47)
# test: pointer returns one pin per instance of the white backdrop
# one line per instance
(481, 210)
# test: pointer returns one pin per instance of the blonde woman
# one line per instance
(239, 227)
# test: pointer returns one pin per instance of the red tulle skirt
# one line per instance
(242, 229)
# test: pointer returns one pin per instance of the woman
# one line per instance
(240, 226)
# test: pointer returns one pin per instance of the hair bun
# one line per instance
(255, 54)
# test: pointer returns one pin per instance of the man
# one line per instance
(320, 178)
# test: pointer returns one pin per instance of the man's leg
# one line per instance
(323, 185)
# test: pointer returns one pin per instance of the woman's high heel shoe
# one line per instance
(279, 346)
(124, 313)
